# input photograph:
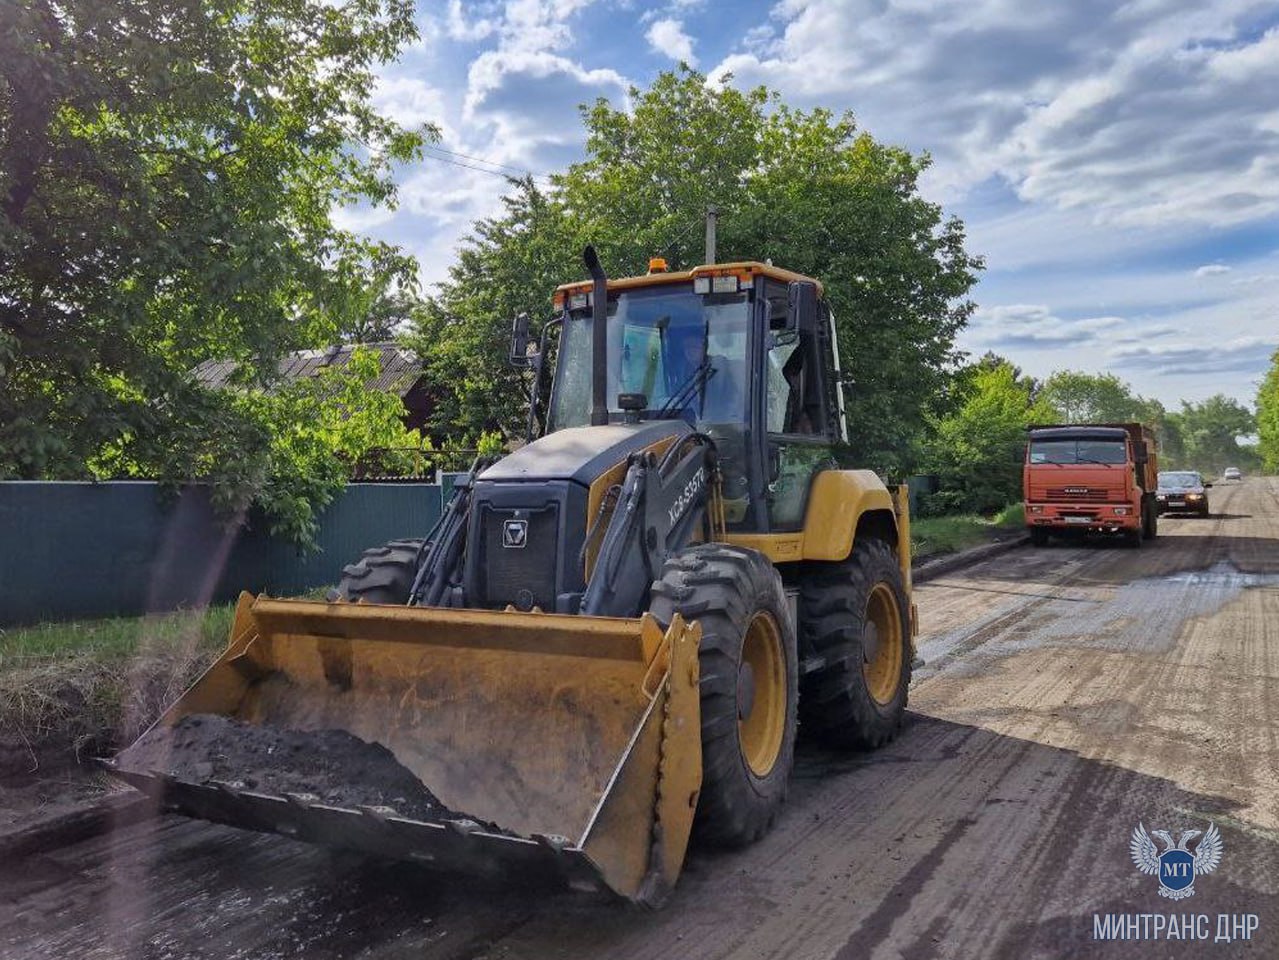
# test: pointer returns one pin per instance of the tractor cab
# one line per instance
(743, 352)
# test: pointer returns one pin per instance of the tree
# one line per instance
(167, 172)
(1094, 398)
(1268, 417)
(288, 449)
(1210, 432)
(805, 189)
(1104, 398)
(975, 449)
(510, 264)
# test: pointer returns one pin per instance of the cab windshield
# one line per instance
(684, 352)
(1066, 451)
(1179, 481)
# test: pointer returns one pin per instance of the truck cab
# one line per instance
(1098, 478)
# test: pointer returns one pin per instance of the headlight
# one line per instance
(1036, 509)
(1194, 496)
(1121, 511)
(1161, 496)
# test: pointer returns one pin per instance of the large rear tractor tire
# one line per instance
(749, 684)
(382, 574)
(856, 616)
(1038, 537)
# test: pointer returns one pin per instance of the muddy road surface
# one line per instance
(1070, 693)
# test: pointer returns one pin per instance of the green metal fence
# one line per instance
(78, 550)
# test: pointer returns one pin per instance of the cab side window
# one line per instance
(788, 386)
(798, 442)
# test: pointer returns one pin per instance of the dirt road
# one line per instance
(1069, 694)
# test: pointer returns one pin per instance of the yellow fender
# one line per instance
(837, 501)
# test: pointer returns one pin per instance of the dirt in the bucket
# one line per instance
(334, 765)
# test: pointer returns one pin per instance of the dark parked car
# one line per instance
(1182, 491)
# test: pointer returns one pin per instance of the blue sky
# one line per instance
(1115, 161)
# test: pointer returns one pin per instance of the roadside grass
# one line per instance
(69, 690)
(936, 535)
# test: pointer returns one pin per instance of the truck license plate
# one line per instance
(1077, 519)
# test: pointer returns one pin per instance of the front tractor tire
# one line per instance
(382, 574)
(749, 684)
(856, 616)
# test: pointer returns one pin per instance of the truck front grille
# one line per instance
(1077, 495)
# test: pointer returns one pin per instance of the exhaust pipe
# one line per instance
(599, 338)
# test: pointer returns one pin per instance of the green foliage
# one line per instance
(804, 189)
(948, 534)
(1209, 434)
(167, 173)
(1268, 417)
(975, 449)
(1092, 398)
(1104, 398)
(301, 440)
(509, 265)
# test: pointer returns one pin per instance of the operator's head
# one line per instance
(687, 348)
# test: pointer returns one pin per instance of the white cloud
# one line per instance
(1245, 355)
(361, 219)
(1142, 114)
(668, 38)
(517, 105)
(408, 101)
(538, 25)
(532, 96)
(474, 29)
(1033, 325)
(1212, 270)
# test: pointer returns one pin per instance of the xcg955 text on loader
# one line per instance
(612, 635)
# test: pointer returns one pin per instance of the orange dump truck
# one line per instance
(1098, 477)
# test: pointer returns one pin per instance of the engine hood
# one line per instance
(581, 453)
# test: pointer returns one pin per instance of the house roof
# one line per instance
(400, 370)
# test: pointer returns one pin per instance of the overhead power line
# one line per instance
(459, 160)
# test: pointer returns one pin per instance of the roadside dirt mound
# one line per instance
(338, 767)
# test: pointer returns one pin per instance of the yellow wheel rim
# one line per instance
(761, 694)
(883, 644)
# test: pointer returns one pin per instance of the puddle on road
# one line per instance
(1147, 615)
(1144, 616)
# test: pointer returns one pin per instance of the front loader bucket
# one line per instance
(566, 744)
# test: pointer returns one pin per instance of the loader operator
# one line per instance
(719, 396)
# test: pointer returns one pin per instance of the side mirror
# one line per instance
(519, 356)
(1018, 455)
(1139, 452)
(801, 306)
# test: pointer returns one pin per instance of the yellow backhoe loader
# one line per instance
(611, 636)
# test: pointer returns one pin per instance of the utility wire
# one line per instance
(494, 173)
(669, 249)
(491, 163)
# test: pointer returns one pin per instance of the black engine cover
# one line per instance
(528, 514)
